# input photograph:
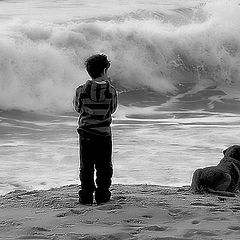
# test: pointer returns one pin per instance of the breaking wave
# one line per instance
(186, 49)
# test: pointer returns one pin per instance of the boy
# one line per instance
(95, 101)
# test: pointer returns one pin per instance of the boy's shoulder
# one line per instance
(81, 87)
(112, 88)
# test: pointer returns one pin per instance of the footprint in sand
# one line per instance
(113, 236)
(109, 207)
(33, 237)
(40, 229)
(205, 204)
(9, 223)
(134, 221)
(154, 228)
(235, 228)
(147, 216)
(195, 222)
(201, 233)
(36, 233)
(119, 198)
(178, 213)
(216, 218)
(72, 212)
(175, 211)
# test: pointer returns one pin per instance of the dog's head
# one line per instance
(233, 152)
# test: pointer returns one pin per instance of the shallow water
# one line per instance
(41, 151)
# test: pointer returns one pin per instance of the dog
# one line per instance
(223, 179)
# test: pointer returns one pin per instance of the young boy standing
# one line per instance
(95, 101)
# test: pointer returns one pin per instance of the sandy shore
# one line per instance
(134, 212)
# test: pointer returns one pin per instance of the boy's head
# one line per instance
(96, 64)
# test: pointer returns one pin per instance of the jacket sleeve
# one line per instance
(114, 101)
(77, 103)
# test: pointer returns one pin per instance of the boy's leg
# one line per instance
(86, 168)
(104, 170)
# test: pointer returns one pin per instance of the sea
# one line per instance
(175, 65)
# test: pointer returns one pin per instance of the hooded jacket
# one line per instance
(95, 102)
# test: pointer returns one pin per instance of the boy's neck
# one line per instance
(101, 79)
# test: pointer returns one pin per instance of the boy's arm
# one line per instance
(77, 103)
(114, 101)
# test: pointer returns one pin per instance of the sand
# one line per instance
(134, 212)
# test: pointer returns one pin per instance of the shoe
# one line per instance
(102, 196)
(85, 198)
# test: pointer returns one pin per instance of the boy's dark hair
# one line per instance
(96, 64)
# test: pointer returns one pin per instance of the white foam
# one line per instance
(41, 62)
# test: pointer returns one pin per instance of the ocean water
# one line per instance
(175, 65)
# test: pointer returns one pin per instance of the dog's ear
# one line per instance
(224, 151)
(235, 153)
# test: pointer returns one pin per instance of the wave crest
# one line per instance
(41, 63)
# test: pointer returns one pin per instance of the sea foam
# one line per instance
(41, 63)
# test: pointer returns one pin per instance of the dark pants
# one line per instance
(95, 153)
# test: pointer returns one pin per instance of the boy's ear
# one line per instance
(105, 71)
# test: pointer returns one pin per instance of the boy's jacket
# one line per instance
(95, 102)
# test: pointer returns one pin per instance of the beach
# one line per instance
(175, 66)
(134, 212)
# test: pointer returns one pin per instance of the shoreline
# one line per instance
(134, 212)
(75, 185)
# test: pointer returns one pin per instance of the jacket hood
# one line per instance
(96, 91)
